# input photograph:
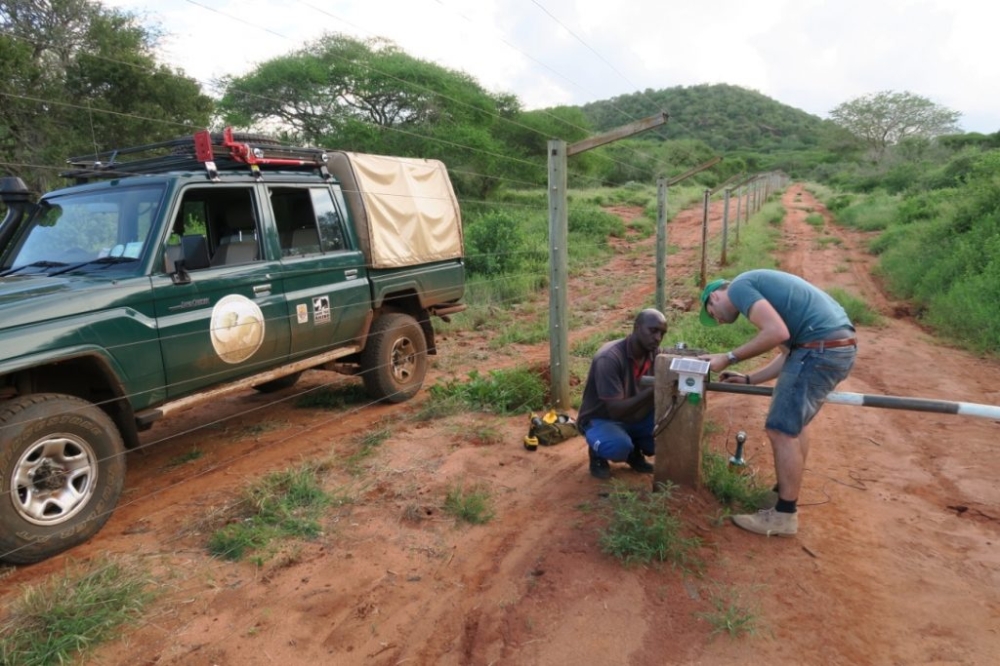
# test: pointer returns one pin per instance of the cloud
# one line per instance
(810, 54)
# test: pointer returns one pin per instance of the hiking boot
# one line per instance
(638, 462)
(769, 522)
(599, 467)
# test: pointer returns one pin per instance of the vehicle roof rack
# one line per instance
(203, 150)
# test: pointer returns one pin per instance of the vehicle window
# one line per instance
(308, 221)
(331, 230)
(213, 227)
(90, 231)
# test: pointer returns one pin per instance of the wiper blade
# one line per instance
(37, 264)
(103, 262)
(112, 260)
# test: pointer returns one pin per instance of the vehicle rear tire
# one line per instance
(394, 361)
(62, 468)
(287, 381)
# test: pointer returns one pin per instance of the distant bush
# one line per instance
(870, 213)
(839, 202)
(924, 205)
(857, 310)
(494, 244)
(595, 223)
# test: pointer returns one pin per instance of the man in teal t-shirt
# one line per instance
(817, 347)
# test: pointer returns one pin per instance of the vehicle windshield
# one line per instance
(86, 231)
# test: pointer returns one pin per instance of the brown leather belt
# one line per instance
(829, 344)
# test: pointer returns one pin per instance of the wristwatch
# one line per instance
(732, 357)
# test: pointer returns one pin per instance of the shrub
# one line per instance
(501, 391)
(871, 213)
(595, 223)
(858, 311)
(494, 244)
(642, 528)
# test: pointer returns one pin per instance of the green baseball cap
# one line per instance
(707, 319)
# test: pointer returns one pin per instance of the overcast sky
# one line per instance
(809, 54)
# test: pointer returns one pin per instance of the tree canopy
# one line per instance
(885, 118)
(723, 117)
(370, 96)
(77, 78)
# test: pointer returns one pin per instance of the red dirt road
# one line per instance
(897, 560)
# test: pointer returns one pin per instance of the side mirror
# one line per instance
(179, 274)
(16, 197)
(13, 191)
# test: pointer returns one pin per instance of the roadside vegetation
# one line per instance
(288, 504)
(938, 241)
(73, 611)
(643, 528)
(930, 203)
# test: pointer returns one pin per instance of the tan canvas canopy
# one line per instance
(404, 208)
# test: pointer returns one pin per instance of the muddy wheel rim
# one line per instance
(54, 479)
(404, 360)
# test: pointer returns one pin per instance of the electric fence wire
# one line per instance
(226, 463)
(194, 586)
(537, 277)
(368, 66)
(254, 409)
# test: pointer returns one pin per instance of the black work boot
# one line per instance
(638, 462)
(599, 467)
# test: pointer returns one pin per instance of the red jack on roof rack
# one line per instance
(202, 150)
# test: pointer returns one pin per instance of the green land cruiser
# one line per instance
(174, 273)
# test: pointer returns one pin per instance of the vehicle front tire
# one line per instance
(394, 361)
(62, 469)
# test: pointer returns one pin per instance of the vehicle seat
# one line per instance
(304, 241)
(235, 252)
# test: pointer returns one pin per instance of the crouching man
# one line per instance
(616, 416)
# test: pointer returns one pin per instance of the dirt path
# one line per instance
(897, 560)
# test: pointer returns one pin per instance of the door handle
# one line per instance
(351, 273)
(259, 289)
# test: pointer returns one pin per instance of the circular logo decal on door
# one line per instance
(237, 328)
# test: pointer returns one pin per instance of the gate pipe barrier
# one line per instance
(867, 400)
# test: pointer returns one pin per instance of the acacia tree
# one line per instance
(885, 118)
(370, 96)
(75, 78)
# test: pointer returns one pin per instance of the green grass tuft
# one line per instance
(285, 504)
(642, 529)
(731, 615)
(472, 505)
(57, 621)
(732, 486)
(367, 444)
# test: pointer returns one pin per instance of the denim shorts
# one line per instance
(807, 377)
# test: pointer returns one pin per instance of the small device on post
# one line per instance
(691, 373)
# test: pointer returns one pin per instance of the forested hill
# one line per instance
(725, 117)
